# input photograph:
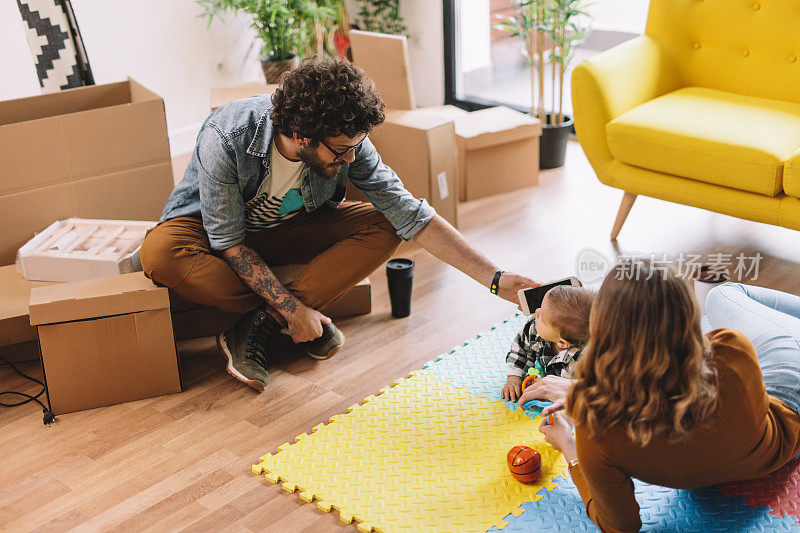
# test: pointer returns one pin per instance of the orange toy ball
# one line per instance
(524, 463)
(528, 380)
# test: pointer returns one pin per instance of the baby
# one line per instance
(552, 339)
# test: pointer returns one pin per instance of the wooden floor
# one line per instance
(183, 461)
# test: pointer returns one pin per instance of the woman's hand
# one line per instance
(559, 436)
(550, 388)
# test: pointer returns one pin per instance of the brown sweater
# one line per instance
(750, 435)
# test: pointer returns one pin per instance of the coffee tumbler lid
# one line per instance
(400, 264)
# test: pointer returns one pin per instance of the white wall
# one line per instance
(166, 47)
(163, 45)
(620, 15)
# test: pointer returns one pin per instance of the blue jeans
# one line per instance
(771, 320)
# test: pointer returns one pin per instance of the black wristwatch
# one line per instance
(496, 282)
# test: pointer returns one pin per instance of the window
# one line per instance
(485, 66)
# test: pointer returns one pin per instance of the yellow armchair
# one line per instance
(702, 110)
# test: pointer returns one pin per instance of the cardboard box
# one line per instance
(356, 301)
(448, 111)
(105, 341)
(99, 151)
(385, 60)
(19, 353)
(78, 248)
(15, 293)
(224, 95)
(498, 147)
(421, 148)
(190, 320)
(498, 151)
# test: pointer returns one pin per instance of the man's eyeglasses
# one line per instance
(340, 155)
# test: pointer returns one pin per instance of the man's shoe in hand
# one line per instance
(326, 345)
(246, 347)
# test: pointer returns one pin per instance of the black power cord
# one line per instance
(48, 416)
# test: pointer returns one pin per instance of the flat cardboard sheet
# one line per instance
(385, 60)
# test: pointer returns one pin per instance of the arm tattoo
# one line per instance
(257, 275)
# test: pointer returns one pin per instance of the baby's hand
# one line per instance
(513, 389)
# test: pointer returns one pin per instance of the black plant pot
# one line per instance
(553, 144)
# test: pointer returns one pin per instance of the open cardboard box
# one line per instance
(98, 152)
(93, 152)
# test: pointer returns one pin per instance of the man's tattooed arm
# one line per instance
(257, 275)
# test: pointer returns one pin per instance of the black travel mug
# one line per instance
(400, 274)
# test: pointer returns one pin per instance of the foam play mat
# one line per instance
(429, 454)
(420, 456)
(479, 365)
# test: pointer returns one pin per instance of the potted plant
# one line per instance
(288, 29)
(550, 32)
(381, 16)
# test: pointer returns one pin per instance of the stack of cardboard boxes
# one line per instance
(496, 150)
(95, 152)
(101, 152)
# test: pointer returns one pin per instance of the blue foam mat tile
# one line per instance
(479, 365)
(661, 509)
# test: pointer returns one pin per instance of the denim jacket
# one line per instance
(231, 159)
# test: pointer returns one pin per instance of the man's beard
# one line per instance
(311, 159)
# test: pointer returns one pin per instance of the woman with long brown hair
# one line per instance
(656, 399)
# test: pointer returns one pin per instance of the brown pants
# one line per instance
(340, 247)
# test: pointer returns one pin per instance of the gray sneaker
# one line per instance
(326, 345)
(245, 347)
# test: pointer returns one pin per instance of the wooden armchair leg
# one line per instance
(624, 208)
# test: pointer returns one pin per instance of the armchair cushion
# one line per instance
(711, 136)
(791, 175)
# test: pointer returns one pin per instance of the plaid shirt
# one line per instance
(528, 348)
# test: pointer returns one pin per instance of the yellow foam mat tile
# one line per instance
(420, 456)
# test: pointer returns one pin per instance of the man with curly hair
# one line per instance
(266, 186)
